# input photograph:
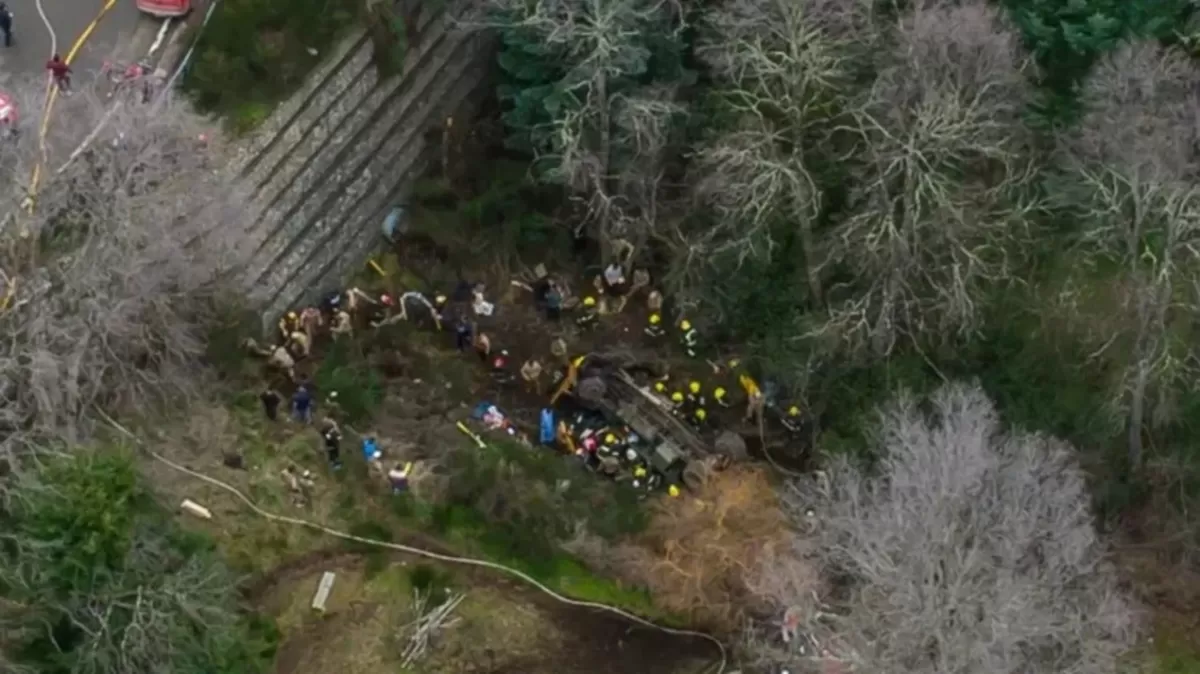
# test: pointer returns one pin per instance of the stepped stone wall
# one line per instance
(333, 160)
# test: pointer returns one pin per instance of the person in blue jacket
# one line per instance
(547, 431)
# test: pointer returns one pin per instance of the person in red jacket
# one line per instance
(60, 71)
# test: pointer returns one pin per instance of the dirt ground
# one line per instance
(503, 628)
(519, 328)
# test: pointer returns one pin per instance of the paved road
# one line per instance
(31, 44)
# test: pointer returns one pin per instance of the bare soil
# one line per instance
(567, 639)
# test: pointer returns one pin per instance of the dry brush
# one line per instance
(113, 285)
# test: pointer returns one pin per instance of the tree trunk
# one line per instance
(1137, 416)
(810, 264)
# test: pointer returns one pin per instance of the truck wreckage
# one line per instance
(608, 383)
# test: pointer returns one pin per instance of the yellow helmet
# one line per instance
(660, 386)
(292, 316)
(440, 299)
(673, 491)
(655, 319)
(677, 396)
(719, 392)
(685, 325)
(610, 439)
(793, 411)
(589, 301)
(694, 387)
(579, 361)
(701, 414)
(733, 363)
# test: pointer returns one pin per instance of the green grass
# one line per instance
(1172, 656)
(255, 53)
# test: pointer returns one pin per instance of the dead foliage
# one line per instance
(703, 556)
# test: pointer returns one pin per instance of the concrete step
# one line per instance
(329, 177)
(348, 54)
(336, 271)
(341, 240)
(309, 134)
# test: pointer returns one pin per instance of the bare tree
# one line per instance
(1133, 163)
(971, 550)
(606, 134)
(936, 200)
(779, 66)
(112, 280)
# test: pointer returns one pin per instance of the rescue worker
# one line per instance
(660, 388)
(398, 477)
(500, 370)
(300, 485)
(355, 298)
(677, 401)
(332, 405)
(554, 301)
(792, 419)
(654, 302)
(6, 23)
(61, 72)
(298, 344)
(341, 325)
(462, 334)
(721, 397)
(531, 372)
(673, 491)
(609, 466)
(332, 302)
(695, 394)
(699, 417)
(590, 315)
(654, 326)
(639, 475)
(288, 323)
(558, 348)
(302, 405)
(311, 320)
(483, 346)
(439, 302)
(754, 397)
(270, 401)
(688, 338)
(333, 443)
(380, 312)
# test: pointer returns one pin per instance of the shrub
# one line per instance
(256, 52)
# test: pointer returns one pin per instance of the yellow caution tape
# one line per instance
(377, 268)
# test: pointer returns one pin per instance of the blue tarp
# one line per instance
(547, 430)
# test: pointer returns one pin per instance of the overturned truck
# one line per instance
(604, 383)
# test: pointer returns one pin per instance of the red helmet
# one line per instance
(386, 300)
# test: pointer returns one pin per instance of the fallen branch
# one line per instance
(428, 623)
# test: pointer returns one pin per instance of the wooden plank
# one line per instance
(323, 590)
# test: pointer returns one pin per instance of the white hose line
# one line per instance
(467, 561)
(162, 33)
(49, 28)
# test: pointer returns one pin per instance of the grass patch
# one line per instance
(345, 369)
(255, 53)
